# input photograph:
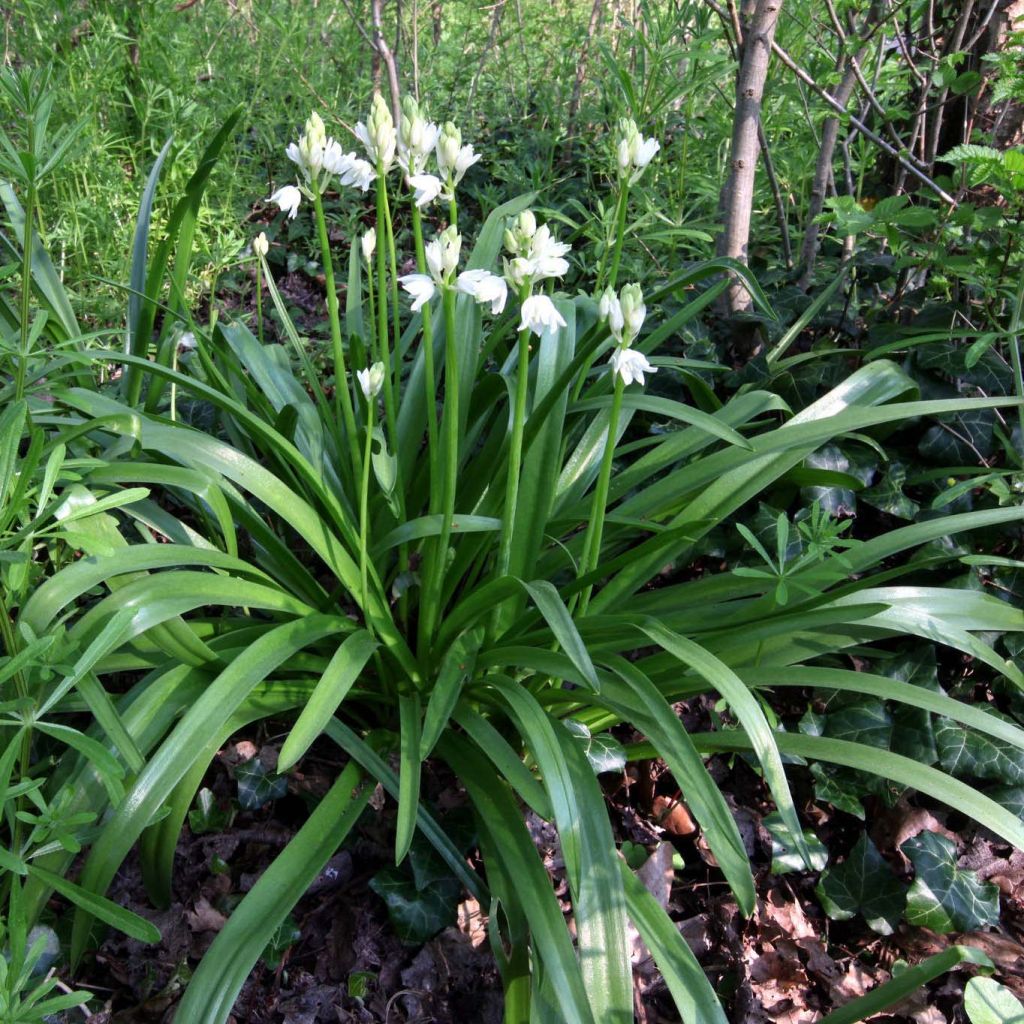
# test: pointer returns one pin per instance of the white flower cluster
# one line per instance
(534, 255)
(413, 141)
(319, 158)
(632, 151)
(442, 255)
(625, 314)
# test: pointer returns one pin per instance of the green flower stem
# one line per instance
(515, 451)
(430, 607)
(364, 502)
(595, 529)
(453, 207)
(259, 299)
(429, 376)
(375, 353)
(1015, 361)
(21, 370)
(392, 379)
(391, 386)
(620, 237)
(342, 393)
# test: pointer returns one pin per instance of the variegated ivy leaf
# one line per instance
(943, 897)
(603, 752)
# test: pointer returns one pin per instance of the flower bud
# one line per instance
(518, 271)
(605, 303)
(451, 245)
(449, 142)
(369, 244)
(378, 135)
(316, 133)
(260, 245)
(511, 244)
(631, 298)
(527, 224)
(371, 380)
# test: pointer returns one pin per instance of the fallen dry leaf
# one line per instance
(673, 816)
(205, 918)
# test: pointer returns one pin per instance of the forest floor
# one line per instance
(340, 960)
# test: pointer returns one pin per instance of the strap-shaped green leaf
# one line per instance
(217, 981)
(341, 672)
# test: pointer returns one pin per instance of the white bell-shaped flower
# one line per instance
(288, 198)
(484, 286)
(368, 243)
(371, 380)
(539, 315)
(421, 287)
(426, 187)
(630, 365)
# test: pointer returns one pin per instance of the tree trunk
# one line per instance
(387, 59)
(581, 68)
(738, 192)
(822, 174)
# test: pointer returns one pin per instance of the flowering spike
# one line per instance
(632, 151)
(453, 158)
(378, 135)
(416, 138)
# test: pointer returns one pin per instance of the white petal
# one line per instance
(539, 314)
(420, 287)
(427, 186)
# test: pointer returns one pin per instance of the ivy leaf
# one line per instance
(257, 786)
(988, 1002)
(281, 941)
(206, 816)
(1011, 797)
(837, 501)
(943, 897)
(864, 721)
(959, 439)
(966, 753)
(863, 884)
(913, 732)
(603, 753)
(785, 855)
(887, 495)
(417, 912)
(831, 787)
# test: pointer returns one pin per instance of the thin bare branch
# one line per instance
(804, 77)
